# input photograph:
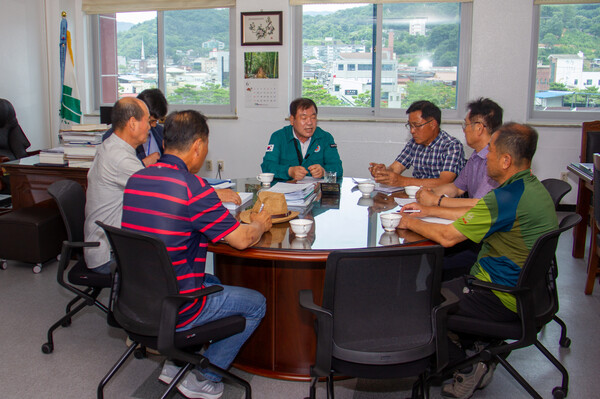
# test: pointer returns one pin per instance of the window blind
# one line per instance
(301, 2)
(111, 6)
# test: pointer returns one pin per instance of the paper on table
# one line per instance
(310, 179)
(404, 201)
(224, 185)
(245, 198)
(286, 188)
(387, 189)
(432, 219)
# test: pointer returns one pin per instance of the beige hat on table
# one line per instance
(274, 203)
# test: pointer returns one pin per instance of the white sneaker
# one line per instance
(168, 372)
(191, 386)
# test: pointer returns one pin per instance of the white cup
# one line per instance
(366, 188)
(411, 191)
(265, 178)
(390, 221)
(366, 201)
(301, 227)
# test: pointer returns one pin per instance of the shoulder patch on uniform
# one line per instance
(270, 147)
(334, 145)
(318, 148)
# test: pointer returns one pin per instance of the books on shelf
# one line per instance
(88, 127)
(53, 156)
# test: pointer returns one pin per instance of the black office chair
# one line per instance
(70, 199)
(533, 313)
(145, 302)
(594, 253)
(381, 317)
(557, 189)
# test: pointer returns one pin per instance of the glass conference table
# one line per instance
(280, 265)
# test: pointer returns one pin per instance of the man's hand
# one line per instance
(375, 168)
(263, 219)
(228, 195)
(297, 172)
(426, 196)
(316, 171)
(389, 178)
(414, 210)
(151, 159)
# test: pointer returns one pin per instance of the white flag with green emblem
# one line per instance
(70, 104)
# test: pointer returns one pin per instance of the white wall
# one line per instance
(500, 61)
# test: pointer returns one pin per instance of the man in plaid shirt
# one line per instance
(436, 156)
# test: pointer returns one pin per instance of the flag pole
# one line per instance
(63, 51)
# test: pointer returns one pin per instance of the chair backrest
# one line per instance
(13, 142)
(557, 189)
(534, 273)
(145, 277)
(382, 301)
(70, 199)
(590, 141)
(596, 183)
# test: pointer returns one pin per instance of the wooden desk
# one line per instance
(280, 265)
(29, 183)
(584, 195)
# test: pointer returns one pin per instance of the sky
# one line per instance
(137, 17)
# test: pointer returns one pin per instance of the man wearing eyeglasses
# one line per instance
(436, 157)
(483, 117)
(150, 151)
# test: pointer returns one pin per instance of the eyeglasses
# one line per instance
(153, 121)
(409, 126)
(465, 124)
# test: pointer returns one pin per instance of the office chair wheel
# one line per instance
(559, 393)
(565, 343)
(37, 268)
(140, 352)
(66, 322)
(3, 264)
(47, 348)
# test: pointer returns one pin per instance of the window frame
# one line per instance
(95, 86)
(548, 116)
(378, 112)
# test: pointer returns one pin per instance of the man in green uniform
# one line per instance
(508, 220)
(301, 148)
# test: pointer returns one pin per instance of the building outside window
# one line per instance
(418, 55)
(568, 58)
(176, 51)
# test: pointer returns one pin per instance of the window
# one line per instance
(395, 54)
(568, 37)
(176, 51)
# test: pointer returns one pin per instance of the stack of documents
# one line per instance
(296, 195)
(53, 156)
(81, 142)
(246, 197)
(219, 183)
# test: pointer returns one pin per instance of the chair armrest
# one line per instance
(525, 306)
(439, 316)
(323, 330)
(168, 320)
(497, 287)
(63, 263)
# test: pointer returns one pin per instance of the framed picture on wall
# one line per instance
(262, 28)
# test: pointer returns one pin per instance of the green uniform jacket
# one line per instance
(281, 153)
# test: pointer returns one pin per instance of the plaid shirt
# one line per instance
(444, 154)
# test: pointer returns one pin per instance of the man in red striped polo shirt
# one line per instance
(168, 200)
